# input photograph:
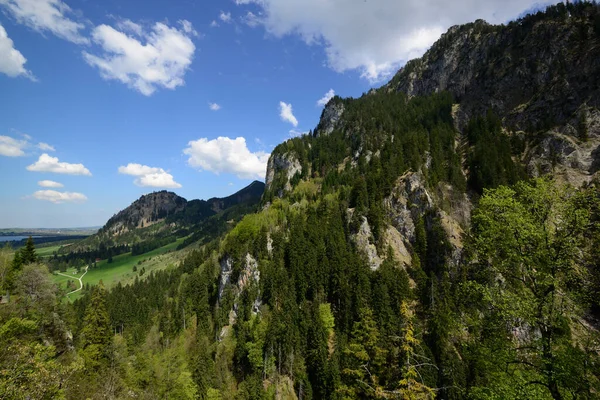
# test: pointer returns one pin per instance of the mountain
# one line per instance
(146, 211)
(197, 210)
(422, 243)
(165, 214)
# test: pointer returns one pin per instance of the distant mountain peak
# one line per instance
(145, 211)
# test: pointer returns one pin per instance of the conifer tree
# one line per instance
(96, 332)
(28, 255)
(412, 386)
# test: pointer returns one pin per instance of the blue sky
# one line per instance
(115, 99)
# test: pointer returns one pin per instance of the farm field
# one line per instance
(121, 269)
(47, 251)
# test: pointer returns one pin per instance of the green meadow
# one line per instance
(121, 269)
(47, 251)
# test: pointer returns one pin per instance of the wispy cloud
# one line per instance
(322, 102)
(53, 16)
(225, 17)
(45, 147)
(59, 197)
(11, 147)
(286, 114)
(50, 184)
(12, 62)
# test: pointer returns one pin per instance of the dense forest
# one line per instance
(281, 301)
(510, 321)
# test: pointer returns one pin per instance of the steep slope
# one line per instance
(399, 252)
(146, 211)
(198, 210)
(540, 75)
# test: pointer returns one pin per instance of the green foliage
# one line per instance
(531, 236)
(364, 360)
(96, 332)
(25, 255)
(490, 156)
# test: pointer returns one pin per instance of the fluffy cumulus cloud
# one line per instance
(149, 176)
(214, 106)
(53, 16)
(12, 62)
(225, 155)
(50, 184)
(47, 163)
(59, 197)
(376, 37)
(144, 61)
(286, 114)
(11, 147)
(322, 102)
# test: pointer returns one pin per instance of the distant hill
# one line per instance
(165, 214)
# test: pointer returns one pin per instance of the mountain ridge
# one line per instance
(540, 75)
(162, 214)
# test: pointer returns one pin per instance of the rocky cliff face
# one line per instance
(286, 165)
(332, 114)
(527, 71)
(540, 75)
(146, 211)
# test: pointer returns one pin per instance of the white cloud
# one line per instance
(225, 155)
(322, 102)
(286, 114)
(214, 106)
(225, 17)
(50, 184)
(376, 37)
(47, 163)
(149, 176)
(45, 147)
(158, 59)
(251, 19)
(12, 62)
(59, 197)
(214, 24)
(12, 147)
(127, 25)
(188, 27)
(47, 16)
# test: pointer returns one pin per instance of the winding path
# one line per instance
(80, 282)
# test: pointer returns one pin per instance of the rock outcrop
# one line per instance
(332, 114)
(285, 165)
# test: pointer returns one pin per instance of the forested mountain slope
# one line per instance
(408, 249)
(165, 214)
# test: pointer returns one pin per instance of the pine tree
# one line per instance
(28, 255)
(365, 360)
(96, 332)
(411, 385)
